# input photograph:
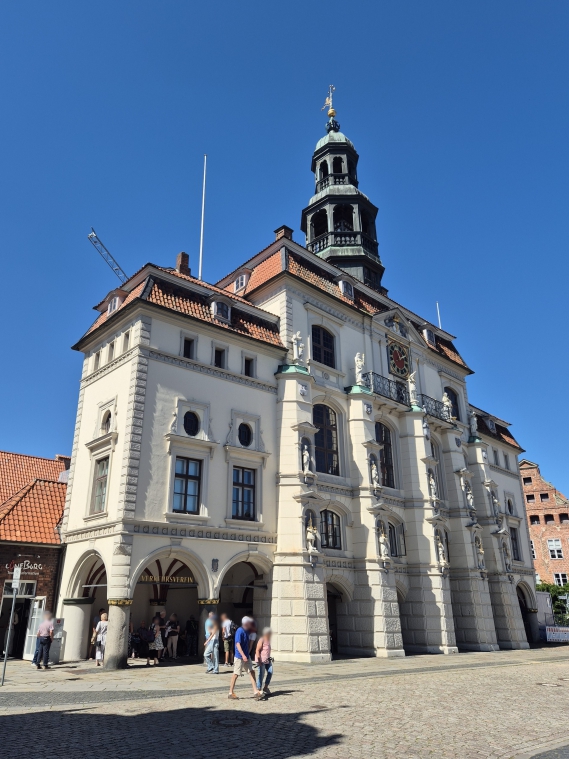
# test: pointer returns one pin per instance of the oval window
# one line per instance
(245, 435)
(191, 423)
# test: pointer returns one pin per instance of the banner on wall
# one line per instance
(557, 634)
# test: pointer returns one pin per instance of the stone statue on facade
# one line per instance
(443, 561)
(375, 481)
(473, 422)
(426, 430)
(507, 557)
(447, 404)
(480, 552)
(469, 495)
(432, 486)
(413, 389)
(311, 537)
(360, 365)
(297, 348)
(384, 550)
(306, 463)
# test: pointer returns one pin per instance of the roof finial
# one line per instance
(332, 125)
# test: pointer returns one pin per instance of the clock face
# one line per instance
(398, 359)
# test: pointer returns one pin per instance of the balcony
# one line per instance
(434, 408)
(332, 179)
(343, 240)
(396, 391)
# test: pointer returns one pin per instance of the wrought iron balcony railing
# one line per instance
(330, 180)
(434, 408)
(342, 239)
(397, 391)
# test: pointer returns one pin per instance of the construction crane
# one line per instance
(107, 256)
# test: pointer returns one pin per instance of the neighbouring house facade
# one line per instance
(548, 520)
(32, 498)
(292, 443)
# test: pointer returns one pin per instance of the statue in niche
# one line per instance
(306, 463)
(413, 389)
(360, 365)
(426, 429)
(311, 537)
(375, 481)
(507, 557)
(384, 549)
(473, 422)
(447, 404)
(469, 495)
(297, 348)
(432, 486)
(495, 505)
(480, 552)
(443, 561)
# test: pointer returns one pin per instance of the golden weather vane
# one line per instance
(328, 102)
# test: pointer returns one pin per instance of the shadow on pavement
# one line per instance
(199, 733)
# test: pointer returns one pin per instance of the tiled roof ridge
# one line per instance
(32, 456)
(13, 500)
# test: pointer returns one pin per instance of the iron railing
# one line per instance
(434, 408)
(397, 391)
(342, 239)
(332, 179)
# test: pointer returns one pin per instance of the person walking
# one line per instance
(173, 628)
(45, 637)
(192, 637)
(101, 639)
(156, 647)
(227, 632)
(93, 646)
(264, 661)
(211, 653)
(207, 629)
(242, 661)
(163, 622)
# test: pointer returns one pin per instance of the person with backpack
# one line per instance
(146, 636)
(228, 629)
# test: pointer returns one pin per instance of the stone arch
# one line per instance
(257, 559)
(402, 590)
(89, 569)
(244, 587)
(345, 586)
(193, 561)
(529, 596)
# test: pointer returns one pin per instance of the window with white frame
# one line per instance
(187, 482)
(126, 341)
(330, 532)
(97, 362)
(506, 461)
(100, 481)
(221, 310)
(111, 353)
(560, 578)
(555, 549)
(240, 282)
(496, 457)
(243, 503)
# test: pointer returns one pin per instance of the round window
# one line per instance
(245, 435)
(191, 423)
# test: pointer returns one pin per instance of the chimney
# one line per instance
(183, 264)
(283, 231)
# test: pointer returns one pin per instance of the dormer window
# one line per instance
(347, 289)
(114, 303)
(429, 336)
(491, 424)
(221, 310)
(240, 282)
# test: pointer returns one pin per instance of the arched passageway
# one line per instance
(245, 591)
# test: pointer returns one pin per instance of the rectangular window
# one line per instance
(323, 346)
(187, 486)
(527, 480)
(97, 360)
(530, 498)
(243, 493)
(100, 485)
(188, 348)
(219, 358)
(534, 519)
(544, 496)
(496, 457)
(222, 310)
(564, 518)
(532, 547)
(240, 282)
(126, 342)
(249, 367)
(506, 461)
(549, 519)
(516, 553)
(111, 351)
(560, 579)
(555, 549)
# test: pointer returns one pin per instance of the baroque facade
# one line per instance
(293, 443)
(548, 520)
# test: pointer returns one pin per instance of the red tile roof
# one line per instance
(33, 513)
(18, 470)
(133, 295)
(502, 433)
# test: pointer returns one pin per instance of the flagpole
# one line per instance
(203, 214)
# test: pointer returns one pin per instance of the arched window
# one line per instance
(106, 426)
(383, 435)
(324, 169)
(330, 530)
(454, 400)
(510, 506)
(393, 548)
(338, 165)
(319, 223)
(326, 440)
(343, 218)
(436, 469)
(323, 346)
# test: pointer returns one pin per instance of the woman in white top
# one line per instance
(101, 633)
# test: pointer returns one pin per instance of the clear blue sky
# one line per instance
(460, 113)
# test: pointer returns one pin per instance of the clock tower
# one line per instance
(339, 221)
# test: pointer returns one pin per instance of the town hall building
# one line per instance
(292, 443)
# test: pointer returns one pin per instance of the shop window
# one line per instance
(100, 485)
(323, 346)
(243, 506)
(326, 440)
(187, 486)
(330, 530)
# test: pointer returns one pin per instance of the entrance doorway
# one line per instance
(26, 592)
(525, 614)
(333, 598)
(37, 607)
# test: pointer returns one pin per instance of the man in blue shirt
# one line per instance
(242, 661)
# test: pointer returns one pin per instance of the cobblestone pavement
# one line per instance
(467, 706)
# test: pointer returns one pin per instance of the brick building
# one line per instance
(32, 493)
(548, 520)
